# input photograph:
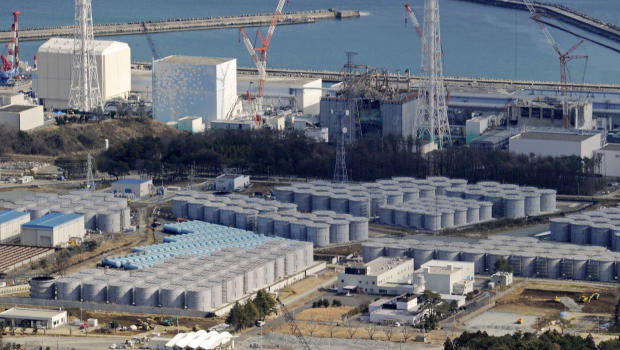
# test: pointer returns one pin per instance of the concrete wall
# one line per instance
(610, 162)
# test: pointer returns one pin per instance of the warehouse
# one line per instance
(555, 144)
(193, 86)
(136, 187)
(384, 275)
(34, 318)
(53, 230)
(21, 117)
(305, 91)
(11, 224)
(231, 182)
(192, 125)
(54, 61)
(610, 160)
(447, 277)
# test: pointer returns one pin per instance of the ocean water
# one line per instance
(477, 40)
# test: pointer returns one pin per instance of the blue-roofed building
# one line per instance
(136, 187)
(53, 230)
(11, 224)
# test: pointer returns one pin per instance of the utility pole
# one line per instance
(90, 179)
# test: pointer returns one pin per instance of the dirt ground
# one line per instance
(323, 314)
(394, 334)
(305, 284)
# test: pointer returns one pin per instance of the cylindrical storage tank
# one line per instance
(339, 231)
(580, 232)
(514, 206)
(281, 227)
(265, 225)
(422, 254)
(447, 218)
(320, 200)
(547, 200)
(68, 288)
(290, 261)
(474, 194)
(460, 216)
(394, 197)
(560, 229)
(146, 294)
(580, 267)
(172, 296)
(372, 250)
(211, 212)
(457, 183)
(125, 217)
(426, 191)
(473, 213)
(358, 229)
(386, 215)
(528, 264)
(432, 221)
(359, 206)
(249, 222)
(194, 209)
(448, 253)
(601, 269)
(454, 192)
(377, 200)
(552, 266)
(415, 219)
(179, 206)
(401, 217)
(303, 199)
(318, 234)
(120, 292)
(492, 257)
(615, 240)
(441, 188)
(410, 194)
(600, 234)
(396, 250)
(198, 298)
(43, 287)
(298, 230)
(227, 217)
(279, 267)
(339, 203)
(94, 290)
(532, 203)
(497, 199)
(37, 211)
(477, 256)
(486, 211)
(285, 194)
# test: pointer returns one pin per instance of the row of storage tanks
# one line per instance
(271, 218)
(599, 227)
(528, 256)
(102, 211)
(436, 213)
(365, 199)
(184, 282)
(194, 238)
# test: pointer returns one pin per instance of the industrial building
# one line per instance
(446, 277)
(610, 160)
(303, 94)
(102, 211)
(384, 275)
(53, 230)
(194, 125)
(493, 140)
(12, 98)
(271, 218)
(556, 144)
(54, 62)
(231, 182)
(233, 124)
(599, 227)
(547, 112)
(194, 86)
(205, 268)
(403, 309)
(21, 117)
(11, 224)
(137, 187)
(34, 318)
(528, 256)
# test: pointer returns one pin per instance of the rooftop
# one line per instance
(52, 220)
(205, 61)
(65, 45)
(295, 81)
(8, 215)
(612, 147)
(16, 108)
(130, 181)
(25, 313)
(552, 136)
(383, 264)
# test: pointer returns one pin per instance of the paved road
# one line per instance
(62, 343)
(528, 231)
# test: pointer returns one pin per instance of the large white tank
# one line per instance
(547, 200)
(386, 214)
(514, 206)
(198, 298)
(358, 229)
(560, 229)
(532, 203)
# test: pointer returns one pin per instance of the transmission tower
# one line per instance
(340, 171)
(431, 120)
(84, 95)
(90, 179)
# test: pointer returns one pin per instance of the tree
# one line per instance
(454, 305)
(351, 329)
(389, 331)
(236, 316)
(331, 328)
(447, 345)
(405, 333)
(336, 303)
(371, 330)
(503, 265)
(251, 313)
(265, 303)
(312, 327)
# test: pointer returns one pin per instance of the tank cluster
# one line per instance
(599, 227)
(271, 218)
(102, 211)
(528, 256)
(426, 197)
(185, 280)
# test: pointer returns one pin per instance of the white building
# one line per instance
(53, 230)
(204, 340)
(36, 318)
(11, 224)
(21, 117)
(402, 309)
(555, 144)
(137, 187)
(12, 98)
(306, 91)
(194, 86)
(193, 125)
(317, 134)
(610, 160)
(502, 278)
(231, 182)
(54, 61)
(446, 277)
(233, 124)
(384, 275)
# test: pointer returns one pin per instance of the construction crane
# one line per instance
(261, 62)
(564, 58)
(150, 40)
(9, 68)
(291, 321)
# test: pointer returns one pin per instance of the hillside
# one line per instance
(77, 139)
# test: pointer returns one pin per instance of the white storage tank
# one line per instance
(179, 206)
(486, 211)
(432, 221)
(447, 218)
(68, 288)
(320, 200)
(285, 194)
(448, 253)
(358, 229)
(172, 296)
(372, 250)
(600, 234)
(281, 227)
(401, 217)
(386, 215)
(227, 217)
(94, 290)
(318, 234)
(194, 209)
(298, 230)
(410, 194)
(547, 200)
(198, 298)
(514, 206)
(532, 203)
(477, 256)
(560, 229)
(415, 219)
(265, 225)
(601, 268)
(426, 191)
(580, 232)
(460, 215)
(303, 199)
(492, 257)
(43, 287)
(377, 200)
(339, 203)
(211, 212)
(359, 205)
(473, 213)
(422, 254)
(339, 231)
(146, 294)
(396, 250)
(121, 292)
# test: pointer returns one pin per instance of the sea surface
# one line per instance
(477, 40)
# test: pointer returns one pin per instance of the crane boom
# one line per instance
(415, 22)
(291, 320)
(274, 21)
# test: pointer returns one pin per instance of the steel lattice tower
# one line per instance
(84, 95)
(340, 170)
(90, 179)
(431, 121)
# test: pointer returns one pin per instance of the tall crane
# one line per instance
(261, 62)
(564, 58)
(291, 320)
(150, 40)
(9, 66)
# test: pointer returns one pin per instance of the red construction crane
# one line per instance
(261, 62)
(564, 58)
(10, 64)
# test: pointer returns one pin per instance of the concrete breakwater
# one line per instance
(176, 25)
